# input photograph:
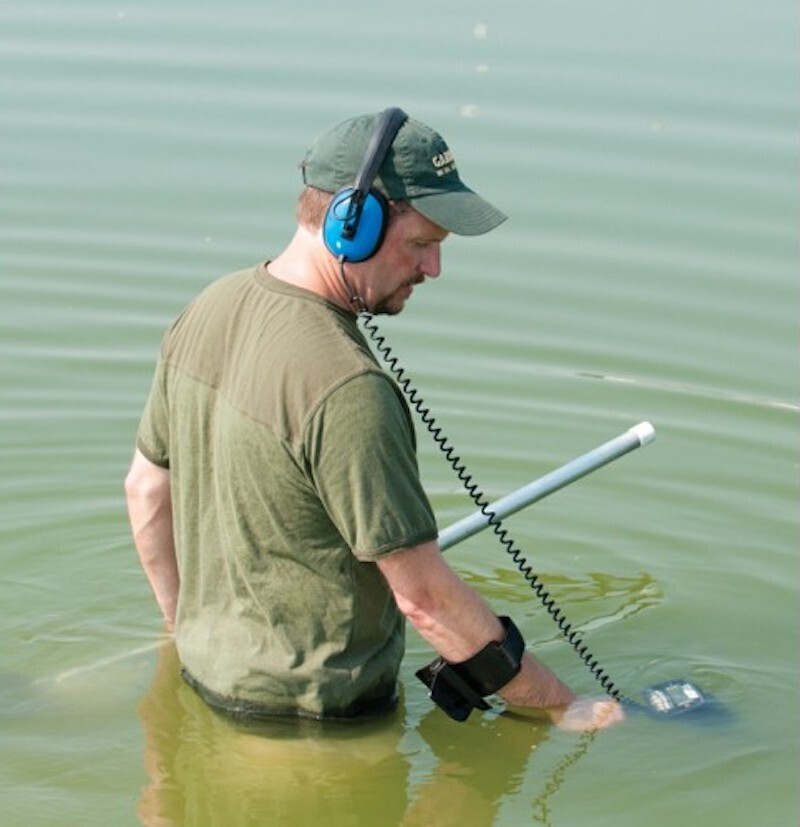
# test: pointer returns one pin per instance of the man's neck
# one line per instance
(305, 263)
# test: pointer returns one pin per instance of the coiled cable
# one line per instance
(417, 403)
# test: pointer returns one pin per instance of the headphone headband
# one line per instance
(384, 133)
(352, 204)
(386, 129)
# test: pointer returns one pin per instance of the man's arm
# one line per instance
(149, 501)
(455, 620)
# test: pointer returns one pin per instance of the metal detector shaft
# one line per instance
(636, 437)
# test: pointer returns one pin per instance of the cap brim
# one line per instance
(462, 211)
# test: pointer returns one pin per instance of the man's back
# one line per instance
(274, 418)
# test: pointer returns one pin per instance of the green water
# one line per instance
(647, 155)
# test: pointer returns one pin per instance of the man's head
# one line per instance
(409, 197)
(418, 168)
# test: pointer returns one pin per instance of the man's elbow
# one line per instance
(420, 582)
(420, 606)
(146, 482)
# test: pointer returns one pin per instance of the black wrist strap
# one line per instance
(458, 688)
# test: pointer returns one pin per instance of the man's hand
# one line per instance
(587, 715)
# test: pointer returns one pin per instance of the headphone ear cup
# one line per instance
(369, 229)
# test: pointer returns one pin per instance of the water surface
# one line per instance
(647, 156)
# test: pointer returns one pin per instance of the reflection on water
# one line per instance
(200, 763)
(610, 598)
(589, 602)
(305, 772)
(540, 807)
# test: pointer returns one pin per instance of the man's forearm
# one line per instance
(534, 686)
(150, 512)
(455, 620)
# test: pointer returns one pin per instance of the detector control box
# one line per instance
(673, 697)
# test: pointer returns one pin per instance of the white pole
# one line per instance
(635, 437)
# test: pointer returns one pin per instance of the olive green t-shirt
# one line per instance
(293, 468)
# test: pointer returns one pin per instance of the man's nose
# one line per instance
(432, 263)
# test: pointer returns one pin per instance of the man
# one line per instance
(274, 494)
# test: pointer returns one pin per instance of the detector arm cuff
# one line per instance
(458, 688)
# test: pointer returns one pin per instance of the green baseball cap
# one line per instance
(418, 168)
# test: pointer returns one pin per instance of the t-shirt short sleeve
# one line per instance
(152, 438)
(361, 454)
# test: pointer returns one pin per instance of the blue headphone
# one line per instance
(355, 222)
